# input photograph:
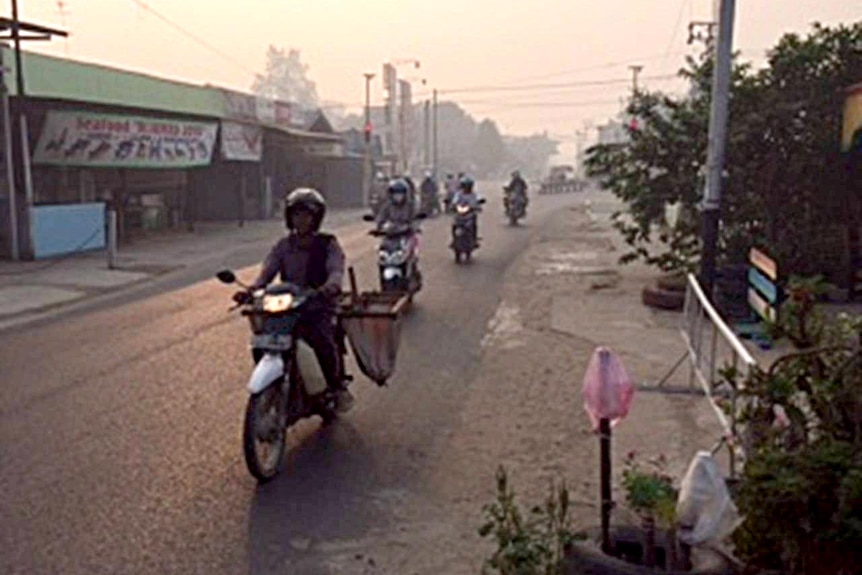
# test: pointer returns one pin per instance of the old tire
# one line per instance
(586, 557)
(675, 282)
(658, 298)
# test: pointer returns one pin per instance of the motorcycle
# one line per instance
(464, 240)
(375, 202)
(430, 204)
(287, 383)
(515, 205)
(398, 257)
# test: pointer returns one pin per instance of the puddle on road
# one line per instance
(504, 328)
(573, 256)
(574, 263)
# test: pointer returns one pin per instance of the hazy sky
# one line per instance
(460, 43)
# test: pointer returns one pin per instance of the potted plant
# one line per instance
(651, 494)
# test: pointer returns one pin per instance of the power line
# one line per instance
(511, 88)
(607, 65)
(676, 28)
(192, 35)
(505, 104)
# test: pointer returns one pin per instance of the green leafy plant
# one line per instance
(650, 490)
(801, 487)
(650, 493)
(531, 543)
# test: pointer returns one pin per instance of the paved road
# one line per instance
(119, 430)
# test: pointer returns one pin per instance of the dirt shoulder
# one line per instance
(563, 297)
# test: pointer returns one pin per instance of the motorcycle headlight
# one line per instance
(277, 303)
(463, 210)
(391, 273)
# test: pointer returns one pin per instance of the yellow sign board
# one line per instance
(851, 136)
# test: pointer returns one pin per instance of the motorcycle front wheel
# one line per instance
(264, 433)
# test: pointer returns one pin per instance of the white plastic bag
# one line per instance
(607, 390)
(706, 514)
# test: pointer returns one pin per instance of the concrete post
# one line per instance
(717, 144)
(112, 239)
(14, 251)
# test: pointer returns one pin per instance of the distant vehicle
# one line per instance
(561, 179)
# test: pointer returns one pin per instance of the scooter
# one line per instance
(464, 240)
(515, 205)
(287, 383)
(430, 204)
(398, 257)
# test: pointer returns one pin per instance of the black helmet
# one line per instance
(398, 186)
(306, 199)
(466, 183)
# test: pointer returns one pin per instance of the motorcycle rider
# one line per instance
(451, 185)
(518, 187)
(429, 194)
(312, 260)
(399, 212)
(467, 196)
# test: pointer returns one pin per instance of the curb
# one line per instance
(95, 298)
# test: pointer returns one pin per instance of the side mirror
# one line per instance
(481, 201)
(226, 277)
(421, 216)
(368, 218)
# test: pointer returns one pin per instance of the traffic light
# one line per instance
(367, 130)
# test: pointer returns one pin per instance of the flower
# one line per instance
(781, 420)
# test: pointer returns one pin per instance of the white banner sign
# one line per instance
(241, 142)
(87, 139)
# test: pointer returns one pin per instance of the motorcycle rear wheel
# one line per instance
(264, 434)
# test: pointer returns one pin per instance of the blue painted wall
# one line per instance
(68, 228)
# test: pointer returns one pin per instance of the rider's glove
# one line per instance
(329, 290)
(242, 297)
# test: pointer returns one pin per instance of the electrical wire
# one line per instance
(518, 88)
(144, 6)
(676, 28)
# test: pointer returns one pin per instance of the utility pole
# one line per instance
(426, 140)
(434, 134)
(367, 130)
(20, 133)
(717, 144)
(16, 129)
(636, 69)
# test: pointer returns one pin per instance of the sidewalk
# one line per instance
(36, 288)
(561, 298)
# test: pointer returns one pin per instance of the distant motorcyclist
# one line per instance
(313, 260)
(518, 186)
(451, 185)
(411, 190)
(429, 194)
(377, 194)
(397, 209)
(467, 196)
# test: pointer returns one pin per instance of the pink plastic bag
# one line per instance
(607, 391)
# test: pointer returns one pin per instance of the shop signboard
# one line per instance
(107, 140)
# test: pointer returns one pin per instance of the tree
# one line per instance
(489, 151)
(286, 78)
(531, 154)
(783, 185)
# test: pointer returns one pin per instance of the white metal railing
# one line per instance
(711, 347)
